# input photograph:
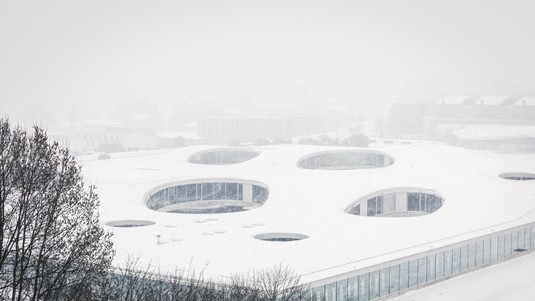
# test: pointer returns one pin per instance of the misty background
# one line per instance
(172, 63)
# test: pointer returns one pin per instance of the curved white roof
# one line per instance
(309, 202)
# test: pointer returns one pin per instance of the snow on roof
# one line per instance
(308, 202)
(495, 132)
(456, 100)
(526, 101)
(492, 100)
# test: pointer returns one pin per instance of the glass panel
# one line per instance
(471, 255)
(413, 201)
(385, 279)
(318, 293)
(374, 285)
(421, 270)
(192, 192)
(171, 195)
(403, 276)
(527, 238)
(413, 273)
(208, 191)
(456, 260)
(422, 201)
(521, 239)
(181, 195)
(364, 287)
(341, 290)
(439, 266)
(464, 258)
(379, 205)
(372, 207)
(219, 191)
(501, 247)
(259, 194)
(430, 272)
(532, 237)
(486, 251)
(514, 242)
(494, 249)
(353, 288)
(448, 263)
(231, 191)
(330, 292)
(508, 250)
(394, 278)
(199, 192)
(240, 192)
(479, 253)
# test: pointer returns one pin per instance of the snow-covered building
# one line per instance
(499, 138)
(354, 223)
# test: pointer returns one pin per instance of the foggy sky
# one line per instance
(85, 54)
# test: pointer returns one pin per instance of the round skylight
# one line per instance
(345, 160)
(223, 156)
(129, 223)
(281, 237)
(518, 176)
(207, 196)
(397, 202)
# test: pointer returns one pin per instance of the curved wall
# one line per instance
(223, 156)
(398, 202)
(345, 159)
(208, 196)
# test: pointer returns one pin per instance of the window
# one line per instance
(413, 201)
(208, 191)
(231, 191)
(219, 191)
(375, 206)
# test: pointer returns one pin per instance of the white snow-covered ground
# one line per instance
(310, 202)
(512, 280)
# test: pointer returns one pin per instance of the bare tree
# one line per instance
(279, 283)
(51, 244)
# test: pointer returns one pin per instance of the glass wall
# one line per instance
(203, 192)
(429, 267)
(392, 204)
(345, 160)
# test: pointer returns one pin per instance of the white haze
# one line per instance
(93, 56)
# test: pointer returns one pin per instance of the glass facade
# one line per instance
(222, 157)
(203, 192)
(393, 204)
(345, 160)
(429, 267)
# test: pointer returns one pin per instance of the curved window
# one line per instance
(398, 202)
(208, 196)
(344, 160)
(223, 156)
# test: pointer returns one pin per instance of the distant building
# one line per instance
(498, 138)
(438, 120)
(248, 128)
(105, 136)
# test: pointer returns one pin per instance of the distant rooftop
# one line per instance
(495, 132)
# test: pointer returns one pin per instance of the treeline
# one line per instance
(132, 282)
